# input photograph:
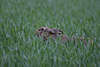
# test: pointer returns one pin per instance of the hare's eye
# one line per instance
(41, 29)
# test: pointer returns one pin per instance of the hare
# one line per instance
(54, 33)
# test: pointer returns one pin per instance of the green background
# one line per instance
(19, 19)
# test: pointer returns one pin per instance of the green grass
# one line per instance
(20, 18)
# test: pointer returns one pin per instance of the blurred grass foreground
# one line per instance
(20, 18)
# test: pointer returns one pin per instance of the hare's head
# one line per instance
(40, 31)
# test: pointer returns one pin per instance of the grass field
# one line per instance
(20, 18)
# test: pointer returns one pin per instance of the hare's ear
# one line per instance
(60, 32)
(51, 31)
